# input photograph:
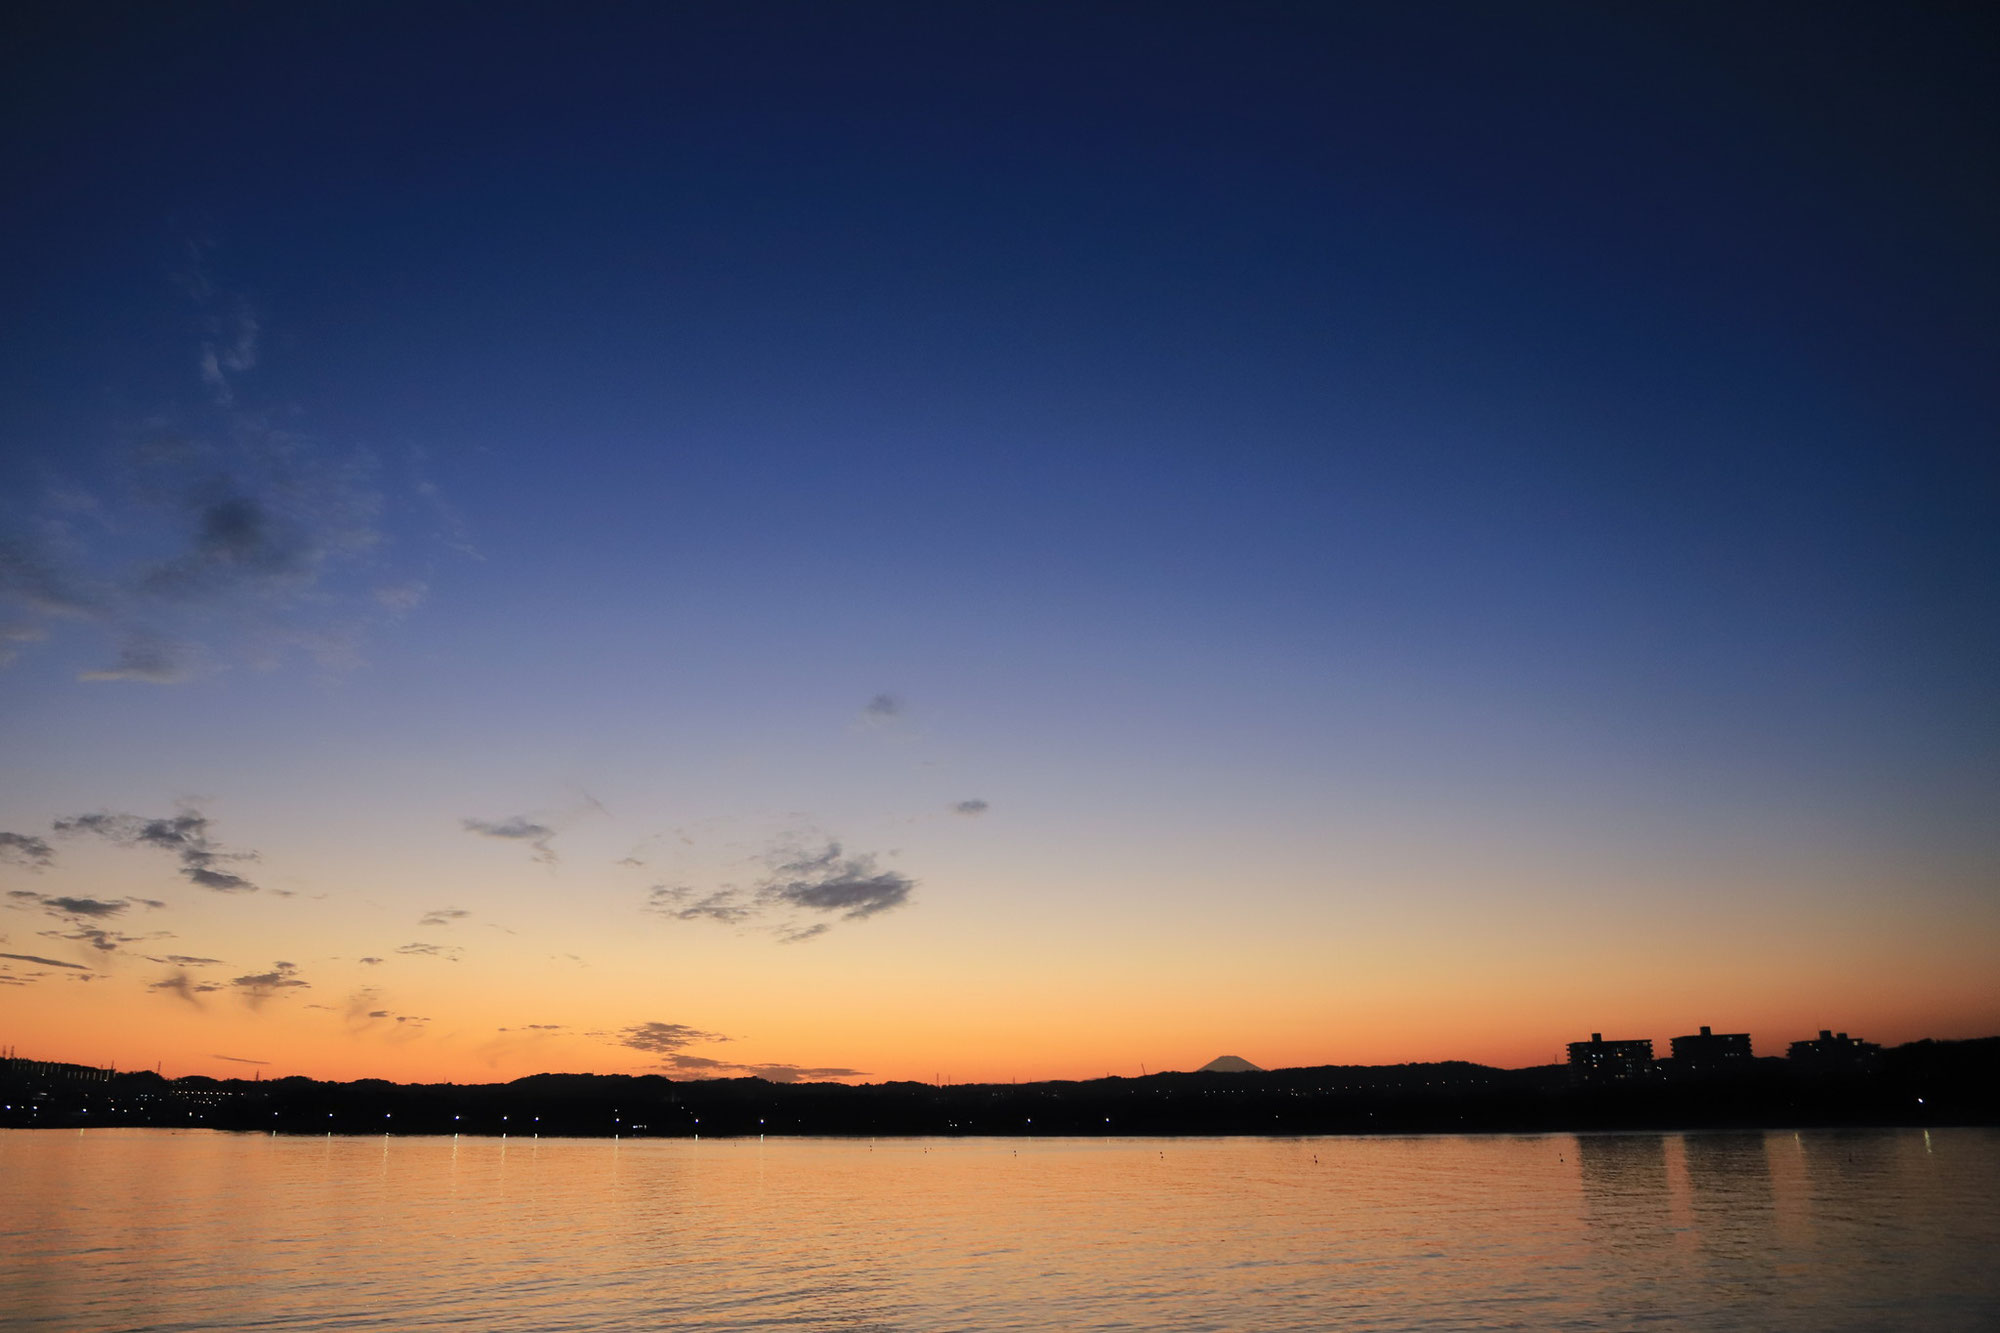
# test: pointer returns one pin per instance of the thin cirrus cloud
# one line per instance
(186, 835)
(192, 554)
(515, 828)
(148, 657)
(230, 348)
(222, 538)
(973, 807)
(443, 916)
(13, 636)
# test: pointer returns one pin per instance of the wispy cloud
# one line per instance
(37, 576)
(148, 657)
(829, 881)
(93, 908)
(680, 902)
(258, 987)
(186, 835)
(23, 850)
(13, 636)
(102, 939)
(403, 598)
(451, 953)
(975, 807)
(365, 1009)
(247, 550)
(184, 987)
(884, 715)
(448, 524)
(83, 915)
(515, 828)
(443, 916)
(229, 349)
(222, 538)
(704, 1066)
(658, 1038)
(44, 962)
(806, 881)
(696, 1063)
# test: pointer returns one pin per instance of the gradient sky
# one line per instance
(990, 541)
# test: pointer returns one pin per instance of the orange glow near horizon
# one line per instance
(998, 1031)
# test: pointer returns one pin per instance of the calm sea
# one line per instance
(164, 1229)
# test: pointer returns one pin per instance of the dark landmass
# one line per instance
(1922, 1083)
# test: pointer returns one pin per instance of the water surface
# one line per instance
(195, 1230)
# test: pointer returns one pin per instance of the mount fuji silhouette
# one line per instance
(1230, 1064)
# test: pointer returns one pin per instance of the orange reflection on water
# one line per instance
(142, 1229)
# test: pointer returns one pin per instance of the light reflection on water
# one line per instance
(162, 1229)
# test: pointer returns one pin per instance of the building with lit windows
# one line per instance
(1834, 1053)
(1601, 1063)
(1707, 1054)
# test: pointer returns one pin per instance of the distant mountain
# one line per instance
(1230, 1064)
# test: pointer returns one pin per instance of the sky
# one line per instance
(993, 541)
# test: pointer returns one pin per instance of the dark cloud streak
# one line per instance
(658, 1038)
(773, 1073)
(678, 901)
(93, 908)
(45, 962)
(23, 850)
(419, 949)
(186, 835)
(515, 828)
(185, 987)
(261, 986)
(829, 881)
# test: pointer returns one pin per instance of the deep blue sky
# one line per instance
(1360, 433)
